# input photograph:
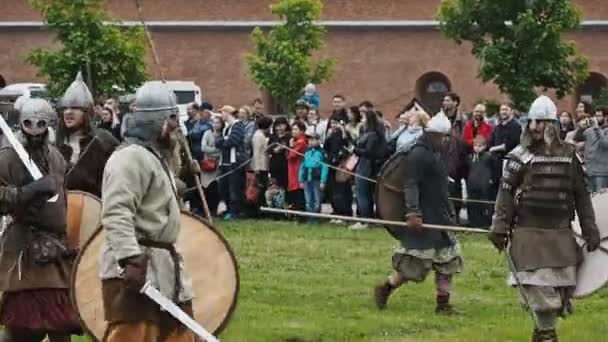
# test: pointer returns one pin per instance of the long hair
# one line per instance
(63, 132)
(356, 115)
(373, 124)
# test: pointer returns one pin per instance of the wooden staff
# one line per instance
(197, 180)
(372, 221)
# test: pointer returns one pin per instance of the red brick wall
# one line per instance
(259, 9)
(379, 65)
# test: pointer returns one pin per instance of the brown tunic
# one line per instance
(536, 202)
(18, 271)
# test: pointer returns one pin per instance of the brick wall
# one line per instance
(259, 9)
(381, 65)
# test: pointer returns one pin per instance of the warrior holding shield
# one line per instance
(35, 260)
(141, 219)
(425, 200)
(543, 184)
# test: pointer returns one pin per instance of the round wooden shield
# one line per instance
(592, 273)
(208, 259)
(390, 200)
(84, 216)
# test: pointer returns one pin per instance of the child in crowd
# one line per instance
(275, 195)
(479, 183)
(313, 175)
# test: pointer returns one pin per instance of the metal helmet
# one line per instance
(36, 115)
(542, 109)
(154, 104)
(155, 97)
(439, 124)
(77, 95)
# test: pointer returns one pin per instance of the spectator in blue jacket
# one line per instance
(202, 125)
(313, 175)
(231, 145)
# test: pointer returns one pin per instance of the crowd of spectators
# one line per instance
(250, 158)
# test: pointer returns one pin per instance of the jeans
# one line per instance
(364, 190)
(598, 183)
(233, 188)
(312, 194)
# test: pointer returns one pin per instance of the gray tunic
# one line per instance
(139, 202)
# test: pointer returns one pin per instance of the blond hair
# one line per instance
(420, 118)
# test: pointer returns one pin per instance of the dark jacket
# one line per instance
(456, 150)
(370, 149)
(195, 137)
(335, 147)
(278, 158)
(107, 126)
(480, 171)
(190, 123)
(426, 194)
(50, 219)
(95, 149)
(231, 144)
(340, 116)
(508, 134)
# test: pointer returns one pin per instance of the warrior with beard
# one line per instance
(426, 201)
(86, 149)
(141, 218)
(35, 262)
(543, 184)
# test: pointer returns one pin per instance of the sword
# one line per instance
(177, 313)
(31, 167)
(520, 286)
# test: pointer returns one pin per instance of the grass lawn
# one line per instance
(305, 283)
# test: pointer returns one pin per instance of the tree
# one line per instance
(113, 56)
(518, 43)
(282, 62)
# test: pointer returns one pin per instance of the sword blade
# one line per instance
(177, 313)
(31, 167)
(520, 286)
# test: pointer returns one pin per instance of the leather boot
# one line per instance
(444, 307)
(544, 336)
(382, 293)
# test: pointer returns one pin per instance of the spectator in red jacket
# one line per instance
(477, 126)
(298, 144)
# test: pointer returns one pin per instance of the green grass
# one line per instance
(310, 283)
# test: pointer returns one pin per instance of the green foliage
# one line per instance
(519, 43)
(116, 56)
(282, 62)
(492, 106)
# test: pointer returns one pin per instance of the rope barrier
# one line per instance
(353, 174)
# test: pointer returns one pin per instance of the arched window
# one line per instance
(431, 87)
(590, 89)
